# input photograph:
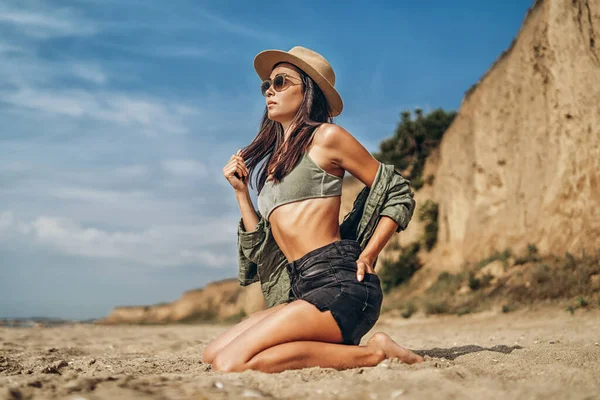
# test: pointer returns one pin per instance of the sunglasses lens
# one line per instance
(264, 87)
(278, 82)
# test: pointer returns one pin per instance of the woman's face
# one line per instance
(282, 105)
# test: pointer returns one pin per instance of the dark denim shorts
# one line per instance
(326, 278)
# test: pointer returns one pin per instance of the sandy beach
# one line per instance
(543, 353)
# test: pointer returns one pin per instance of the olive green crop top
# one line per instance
(305, 181)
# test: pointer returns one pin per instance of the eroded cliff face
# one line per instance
(521, 162)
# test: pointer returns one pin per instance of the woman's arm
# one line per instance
(249, 217)
(383, 232)
(350, 154)
(236, 172)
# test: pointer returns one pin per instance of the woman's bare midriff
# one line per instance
(305, 225)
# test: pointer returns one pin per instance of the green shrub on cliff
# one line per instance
(429, 214)
(414, 139)
(399, 271)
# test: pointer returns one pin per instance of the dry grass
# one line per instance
(530, 279)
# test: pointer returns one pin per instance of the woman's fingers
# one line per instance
(360, 270)
(241, 168)
(242, 165)
(363, 267)
(236, 167)
(239, 158)
(240, 171)
(232, 170)
(235, 163)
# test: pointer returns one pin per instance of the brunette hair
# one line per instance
(268, 143)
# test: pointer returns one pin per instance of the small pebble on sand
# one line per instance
(252, 393)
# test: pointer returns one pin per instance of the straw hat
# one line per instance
(309, 61)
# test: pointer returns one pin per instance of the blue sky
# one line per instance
(117, 117)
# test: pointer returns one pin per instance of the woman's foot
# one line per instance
(393, 350)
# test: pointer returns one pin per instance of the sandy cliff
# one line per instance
(521, 162)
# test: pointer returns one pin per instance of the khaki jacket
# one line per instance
(261, 259)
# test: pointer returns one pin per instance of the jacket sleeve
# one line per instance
(399, 203)
(249, 245)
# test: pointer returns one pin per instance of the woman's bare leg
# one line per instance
(296, 336)
(304, 354)
(211, 350)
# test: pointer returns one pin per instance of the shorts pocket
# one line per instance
(315, 270)
(345, 270)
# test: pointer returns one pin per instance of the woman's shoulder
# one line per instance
(331, 135)
(328, 132)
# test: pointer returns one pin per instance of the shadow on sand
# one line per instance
(455, 352)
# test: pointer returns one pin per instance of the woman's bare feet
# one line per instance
(393, 350)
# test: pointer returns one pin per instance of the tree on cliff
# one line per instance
(414, 139)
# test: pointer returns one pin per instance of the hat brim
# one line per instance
(266, 60)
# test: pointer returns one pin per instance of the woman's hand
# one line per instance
(236, 172)
(364, 265)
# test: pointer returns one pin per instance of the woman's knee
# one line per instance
(209, 353)
(218, 344)
(223, 362)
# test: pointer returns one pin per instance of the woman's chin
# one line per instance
(279, 116)
(274, 116)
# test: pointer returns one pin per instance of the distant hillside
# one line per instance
(218, 301)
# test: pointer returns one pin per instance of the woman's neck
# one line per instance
(288, 128)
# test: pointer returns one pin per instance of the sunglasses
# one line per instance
(278, 83)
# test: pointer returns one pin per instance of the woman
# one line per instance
(338, 295)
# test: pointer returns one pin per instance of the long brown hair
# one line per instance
(269, 142)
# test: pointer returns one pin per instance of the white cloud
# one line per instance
(98, 195)
(158, 246)
(75, 172)
(150, 116)
(32, 83)
(90, 73)
(46, 21)
(179, 51)
(131, 171)
(240, 29)
(7, 220)
(198, 19)
(6, 48)
(183, 167)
